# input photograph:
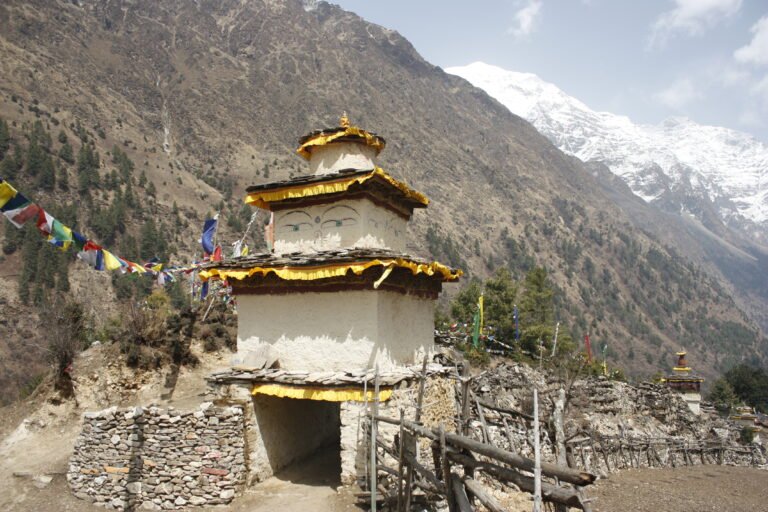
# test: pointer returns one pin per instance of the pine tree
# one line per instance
(62, 271)
(63, 179)
(66, 153)
(5, 138)
(12, 239)
(87, 169)
(500, 295)
(149, 240)
(723, 396)
(536, 310)
(30, 247)
(35, 157)
(11, 164)
(46, 179)
(39, 135)
(464, 305)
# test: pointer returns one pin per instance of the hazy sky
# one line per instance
(647, 59)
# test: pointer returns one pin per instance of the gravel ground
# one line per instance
(688, 489)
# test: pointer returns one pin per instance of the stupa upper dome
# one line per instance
(344, 147)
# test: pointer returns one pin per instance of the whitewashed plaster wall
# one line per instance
(336, 331)
(339, 156)
(352, 223)
(694, 402)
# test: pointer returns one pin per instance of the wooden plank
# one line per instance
(549, 492)
(446, 468)
(465, 381)
(400, 461)
(511, 412)
(417, 419)
(460, 494)
(486, 434)
(537, 452)
(426, 474)
(482, 495)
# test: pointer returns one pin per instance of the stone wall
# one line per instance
(154, 459)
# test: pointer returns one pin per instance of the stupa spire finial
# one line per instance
(344, 120)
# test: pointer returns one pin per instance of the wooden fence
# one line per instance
(395, 470)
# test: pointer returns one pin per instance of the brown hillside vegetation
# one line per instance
(206, 97)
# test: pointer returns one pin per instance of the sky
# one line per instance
(647, 59)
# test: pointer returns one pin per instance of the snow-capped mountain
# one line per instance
(679, 164)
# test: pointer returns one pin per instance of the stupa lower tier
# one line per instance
(334, 310)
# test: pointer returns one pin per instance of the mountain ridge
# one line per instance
(726, 167)
(209, 97)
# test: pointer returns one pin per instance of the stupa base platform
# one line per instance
(351, 378)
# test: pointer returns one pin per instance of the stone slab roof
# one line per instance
(245, 375)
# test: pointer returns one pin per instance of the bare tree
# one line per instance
(64, 324)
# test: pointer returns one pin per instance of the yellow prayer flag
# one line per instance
(480, 307)
(7, 192)
(110, 261)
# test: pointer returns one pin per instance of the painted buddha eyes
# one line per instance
(339, 217)
(295, 222)
(333, 218)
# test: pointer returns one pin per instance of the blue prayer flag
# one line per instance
(209, 229)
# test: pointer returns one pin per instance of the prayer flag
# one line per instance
(79, 240)
(216, 256)
(45, 222)
(209, 230)
(7, 192)
(18, 209)
(111, 262)
(482, 314)
(92, 255)
(476, 329)
(61, 235)
(269, 232)
(204, 291)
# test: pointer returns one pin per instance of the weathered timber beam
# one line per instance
(482, 495)
(564, 474)
(426, 474)
(549, 492)
(460, 494)
(511, 412)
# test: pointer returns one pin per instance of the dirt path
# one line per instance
(307, 485)
(694, 489)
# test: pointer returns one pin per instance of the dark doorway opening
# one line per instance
(302, 438)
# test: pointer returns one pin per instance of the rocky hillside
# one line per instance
(206, 97)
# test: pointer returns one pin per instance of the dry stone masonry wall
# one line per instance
(157, 460)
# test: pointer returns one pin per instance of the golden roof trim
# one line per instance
(324, 271)
(327, 137)
(261, 199)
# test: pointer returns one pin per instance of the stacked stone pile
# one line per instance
(157, 460)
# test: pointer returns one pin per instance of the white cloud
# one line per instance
(526, 18)
(691, 17)
(682, 92)
(756, 52)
